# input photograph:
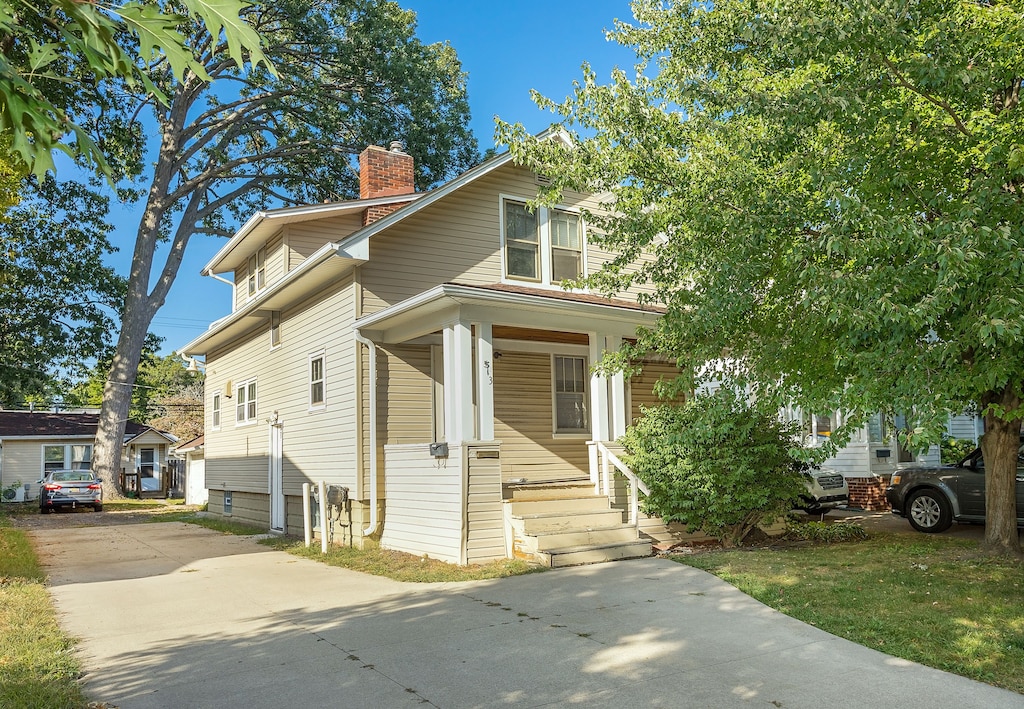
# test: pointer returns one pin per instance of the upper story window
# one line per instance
(275, 328)
(245, 402)
(543, 246)
(316, 381)
(257, 271)
(216, 411)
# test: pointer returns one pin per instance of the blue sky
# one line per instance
(507, 48)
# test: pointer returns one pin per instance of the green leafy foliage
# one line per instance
(829, 193)
(817, 531)
(57, 297)
(57, 53)
(715, 464)
(955, 449)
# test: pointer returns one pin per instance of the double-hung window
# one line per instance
(67, 457)
(570, 394)
(543, 246)
(257, 271)
(245, 402)
(522, 242)
(216, 411)
(566, 245)
(316, 381)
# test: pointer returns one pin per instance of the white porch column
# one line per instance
(458, 382)
(484, 382)
(598, 392)
(619, 413)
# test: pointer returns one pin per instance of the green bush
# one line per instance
(814, 531)
(955, 449)
(716, 464)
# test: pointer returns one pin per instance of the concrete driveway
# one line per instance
(173, 615)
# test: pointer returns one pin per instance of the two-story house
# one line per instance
(419, 350)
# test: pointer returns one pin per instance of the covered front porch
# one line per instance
(487, 398)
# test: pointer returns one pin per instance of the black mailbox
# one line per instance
(439, 449)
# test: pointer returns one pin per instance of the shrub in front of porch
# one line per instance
(717, 464)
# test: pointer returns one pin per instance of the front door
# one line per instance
(276, 477)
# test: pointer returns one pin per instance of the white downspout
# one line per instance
(222, 279)
(374, 522)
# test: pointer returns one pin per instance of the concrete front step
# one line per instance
(594, 554)
(546, 541)
(547, 491)
(561, 522)
(568, 505)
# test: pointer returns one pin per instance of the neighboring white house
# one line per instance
(195, 471)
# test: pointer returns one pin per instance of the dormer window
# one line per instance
(257, 271)
(543, 246)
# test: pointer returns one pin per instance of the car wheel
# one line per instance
(97, 508)
(928, 511)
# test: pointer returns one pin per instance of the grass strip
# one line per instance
(401, 566)
(37, 663)
(933, 600)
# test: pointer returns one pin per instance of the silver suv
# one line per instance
(826, 490)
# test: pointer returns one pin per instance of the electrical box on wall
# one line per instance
(227, 503)
(439, 449)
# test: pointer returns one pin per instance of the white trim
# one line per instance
(68, 461)
(322, 356)
(485, 381)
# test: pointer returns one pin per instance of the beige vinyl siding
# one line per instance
(304, 238)
(455, 240)
(404, 390)
(485, 529)
(641, 386)
(523, 422)
(597, 256)
(318, 444)
(22, 461)
(425, 502)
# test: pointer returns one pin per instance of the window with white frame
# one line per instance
(257, 271)
(275, 328)
(216, 411)
(570, 394)
(245, 402)
(522, 242)
(543, 246)
(68, 456)
(316, 380)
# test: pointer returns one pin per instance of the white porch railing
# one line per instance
(602, 459)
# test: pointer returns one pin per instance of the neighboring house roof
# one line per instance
(47, 424)
(188, 446)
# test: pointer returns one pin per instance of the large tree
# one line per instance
(230, 139)
(57, 297)
(830, 197)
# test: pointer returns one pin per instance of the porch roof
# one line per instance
(504, 304)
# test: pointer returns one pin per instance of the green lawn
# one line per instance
(37, 664)
(933, 600)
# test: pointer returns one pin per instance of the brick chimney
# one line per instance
(384, 173)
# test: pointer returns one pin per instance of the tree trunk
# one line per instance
(999, 448)
(117, 401)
